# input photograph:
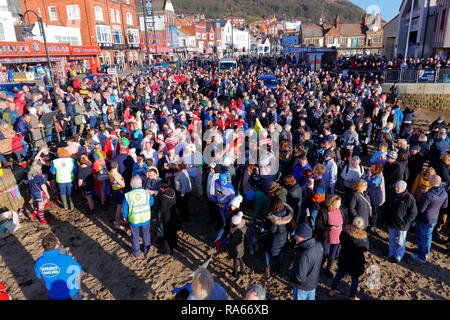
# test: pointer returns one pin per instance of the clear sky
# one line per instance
(389, 8)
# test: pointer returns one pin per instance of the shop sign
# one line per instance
(32, 49)
(111, 71)
(85, 50)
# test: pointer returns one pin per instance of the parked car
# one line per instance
(15, 87)
(97, 76)
(270, 81)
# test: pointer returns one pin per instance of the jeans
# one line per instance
(424, 234)
(3, 159)
(397, 243)
(313, 214)
(49, 133)
(331, 251)
(92, 121)
(105, 118)
(65, 189)
(267, 257)
(135, 235)
(304, 295)
(353, 288)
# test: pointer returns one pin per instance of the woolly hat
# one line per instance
(237, 219)
(401, 184)
(62, 152)
(236, 202)
(304, 231)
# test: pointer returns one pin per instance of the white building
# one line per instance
(241, 40)
(187, 43)
(419, 36)
(260, 46)
(58, 34)
(225, 37)
(7, 32)
(291, 26)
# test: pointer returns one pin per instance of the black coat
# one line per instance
(236, 248)
(168, 213)
(351, 256)
(443, 171)
(415, 166)
(392, 173)
(294, 198)
(359, 207)
(322, 227)
(401, 210)
(277, 236)
(306, 269)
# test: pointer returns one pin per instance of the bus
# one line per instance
(227, 64)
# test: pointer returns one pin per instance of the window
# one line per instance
(129, 18)
(133, 36)
(98, 13)
(211, 36)
(204, 36)
(2, 33)
(112, 15)
(52, 14)
(117, 16)
(198, 35)
(73, 12)
(117, 36)
(103, 33)
(74, 41)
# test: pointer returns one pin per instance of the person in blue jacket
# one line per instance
(224, 193)
(60, 272)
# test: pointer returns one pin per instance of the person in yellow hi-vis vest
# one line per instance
(136, 209)
(63, 168)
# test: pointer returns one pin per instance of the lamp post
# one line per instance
(27, 32)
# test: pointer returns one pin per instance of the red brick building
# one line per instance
(110, 24)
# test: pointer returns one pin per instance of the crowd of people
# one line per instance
(374, 62)
(132, 144)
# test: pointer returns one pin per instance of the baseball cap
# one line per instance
(392, 154)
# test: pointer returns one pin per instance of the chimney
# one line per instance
(365, 19)
(379, 21)
(337, 21)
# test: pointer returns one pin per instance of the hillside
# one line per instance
(309, 11)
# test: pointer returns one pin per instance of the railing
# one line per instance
(407, 76)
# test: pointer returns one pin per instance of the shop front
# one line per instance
(84, 57)
(27, 60)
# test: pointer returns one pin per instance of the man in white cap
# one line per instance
(401, 211)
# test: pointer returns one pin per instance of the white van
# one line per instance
(227, 64)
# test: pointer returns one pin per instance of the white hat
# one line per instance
(32, 110)
(237, 219)
(227, 161)
(236, 202)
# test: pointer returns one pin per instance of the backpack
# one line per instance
(103, 175)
